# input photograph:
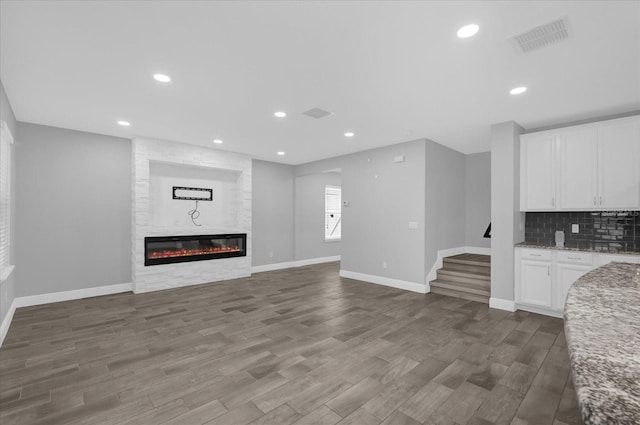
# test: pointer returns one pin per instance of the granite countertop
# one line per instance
(603, 337)
(570, 248)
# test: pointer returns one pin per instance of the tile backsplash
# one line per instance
(603, 230)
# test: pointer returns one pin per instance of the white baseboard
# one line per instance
(454, 251)
(501, 304)
(6, 322)
(72, 295)
(319, 260)
(291, 264)
(394, 283)
(540, 310)
(271, 267)
(57, 297)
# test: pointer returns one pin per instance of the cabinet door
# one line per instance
(576, 172)
(619, 164)
(537, 181)
(535, 283)
(566, 275)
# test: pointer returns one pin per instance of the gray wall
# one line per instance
(7, 288)
(445, 200)
(309, 216)
(507, 222)
(478, 199)
(74, 199)
(272, 218)
(384, 197)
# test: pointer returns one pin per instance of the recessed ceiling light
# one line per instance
(468, 31)
(124, 123)
(349, 134)
(217, 141)
(280, 114)
(280, 153)
(518, 90)
(162, 78)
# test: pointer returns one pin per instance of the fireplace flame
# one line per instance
(171, 253)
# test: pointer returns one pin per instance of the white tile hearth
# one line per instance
(155, 164)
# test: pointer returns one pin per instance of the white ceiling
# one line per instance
(390, 71)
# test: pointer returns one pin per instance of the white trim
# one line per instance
(71, 295)
(501, 304)
(394, 283)
(319, 260)
(454, 251)
(6, 273)
(5, 127)
(292, 264)
(274, 266)
(540, 310)
(6, 322)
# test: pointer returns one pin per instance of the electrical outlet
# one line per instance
(271, 254)
(575, 228)
(384, 264)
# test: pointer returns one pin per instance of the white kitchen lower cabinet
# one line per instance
(565, 275)
(535, 286)
(543, 276)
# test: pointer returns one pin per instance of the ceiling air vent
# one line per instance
(542, 36)
(317, 113)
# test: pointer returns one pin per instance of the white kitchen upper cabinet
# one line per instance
(589, 167)
(537, 168)
(619, 164)
(577, 162)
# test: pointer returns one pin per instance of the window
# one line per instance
(332, 212)
(5, 200)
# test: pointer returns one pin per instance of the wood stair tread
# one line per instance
(465, 273)
(464, 295)
(454, 286)
(469, 259)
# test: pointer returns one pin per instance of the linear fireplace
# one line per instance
(179, 249)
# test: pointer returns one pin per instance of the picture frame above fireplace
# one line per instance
(192, 193)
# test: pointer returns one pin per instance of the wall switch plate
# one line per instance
(413, 225)
(575, 228)
(345, 203)
(399, 158)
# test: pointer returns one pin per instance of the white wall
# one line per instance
(309, 217)
(272, 218)
(74, 210)
(445, 222)
(478, 199)
(507, 222)
(8, 286)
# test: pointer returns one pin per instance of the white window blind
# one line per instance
(332, 212)
(6, 140)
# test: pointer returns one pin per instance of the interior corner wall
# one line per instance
(273, 213)
(478, 199)
(309, 216)
(445, 213)
(507, 222)
(8, 287)
(74, 205)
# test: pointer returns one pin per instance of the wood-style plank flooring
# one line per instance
(297, 346)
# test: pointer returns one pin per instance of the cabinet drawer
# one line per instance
(574, 257)
(621, 258)
(535, 254)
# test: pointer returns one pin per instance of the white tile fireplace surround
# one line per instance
(158, 166)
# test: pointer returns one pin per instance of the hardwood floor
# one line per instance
(297, 346)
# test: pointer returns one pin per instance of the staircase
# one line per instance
(465, 276)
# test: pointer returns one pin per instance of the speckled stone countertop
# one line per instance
(569, 248)
(602, 327)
